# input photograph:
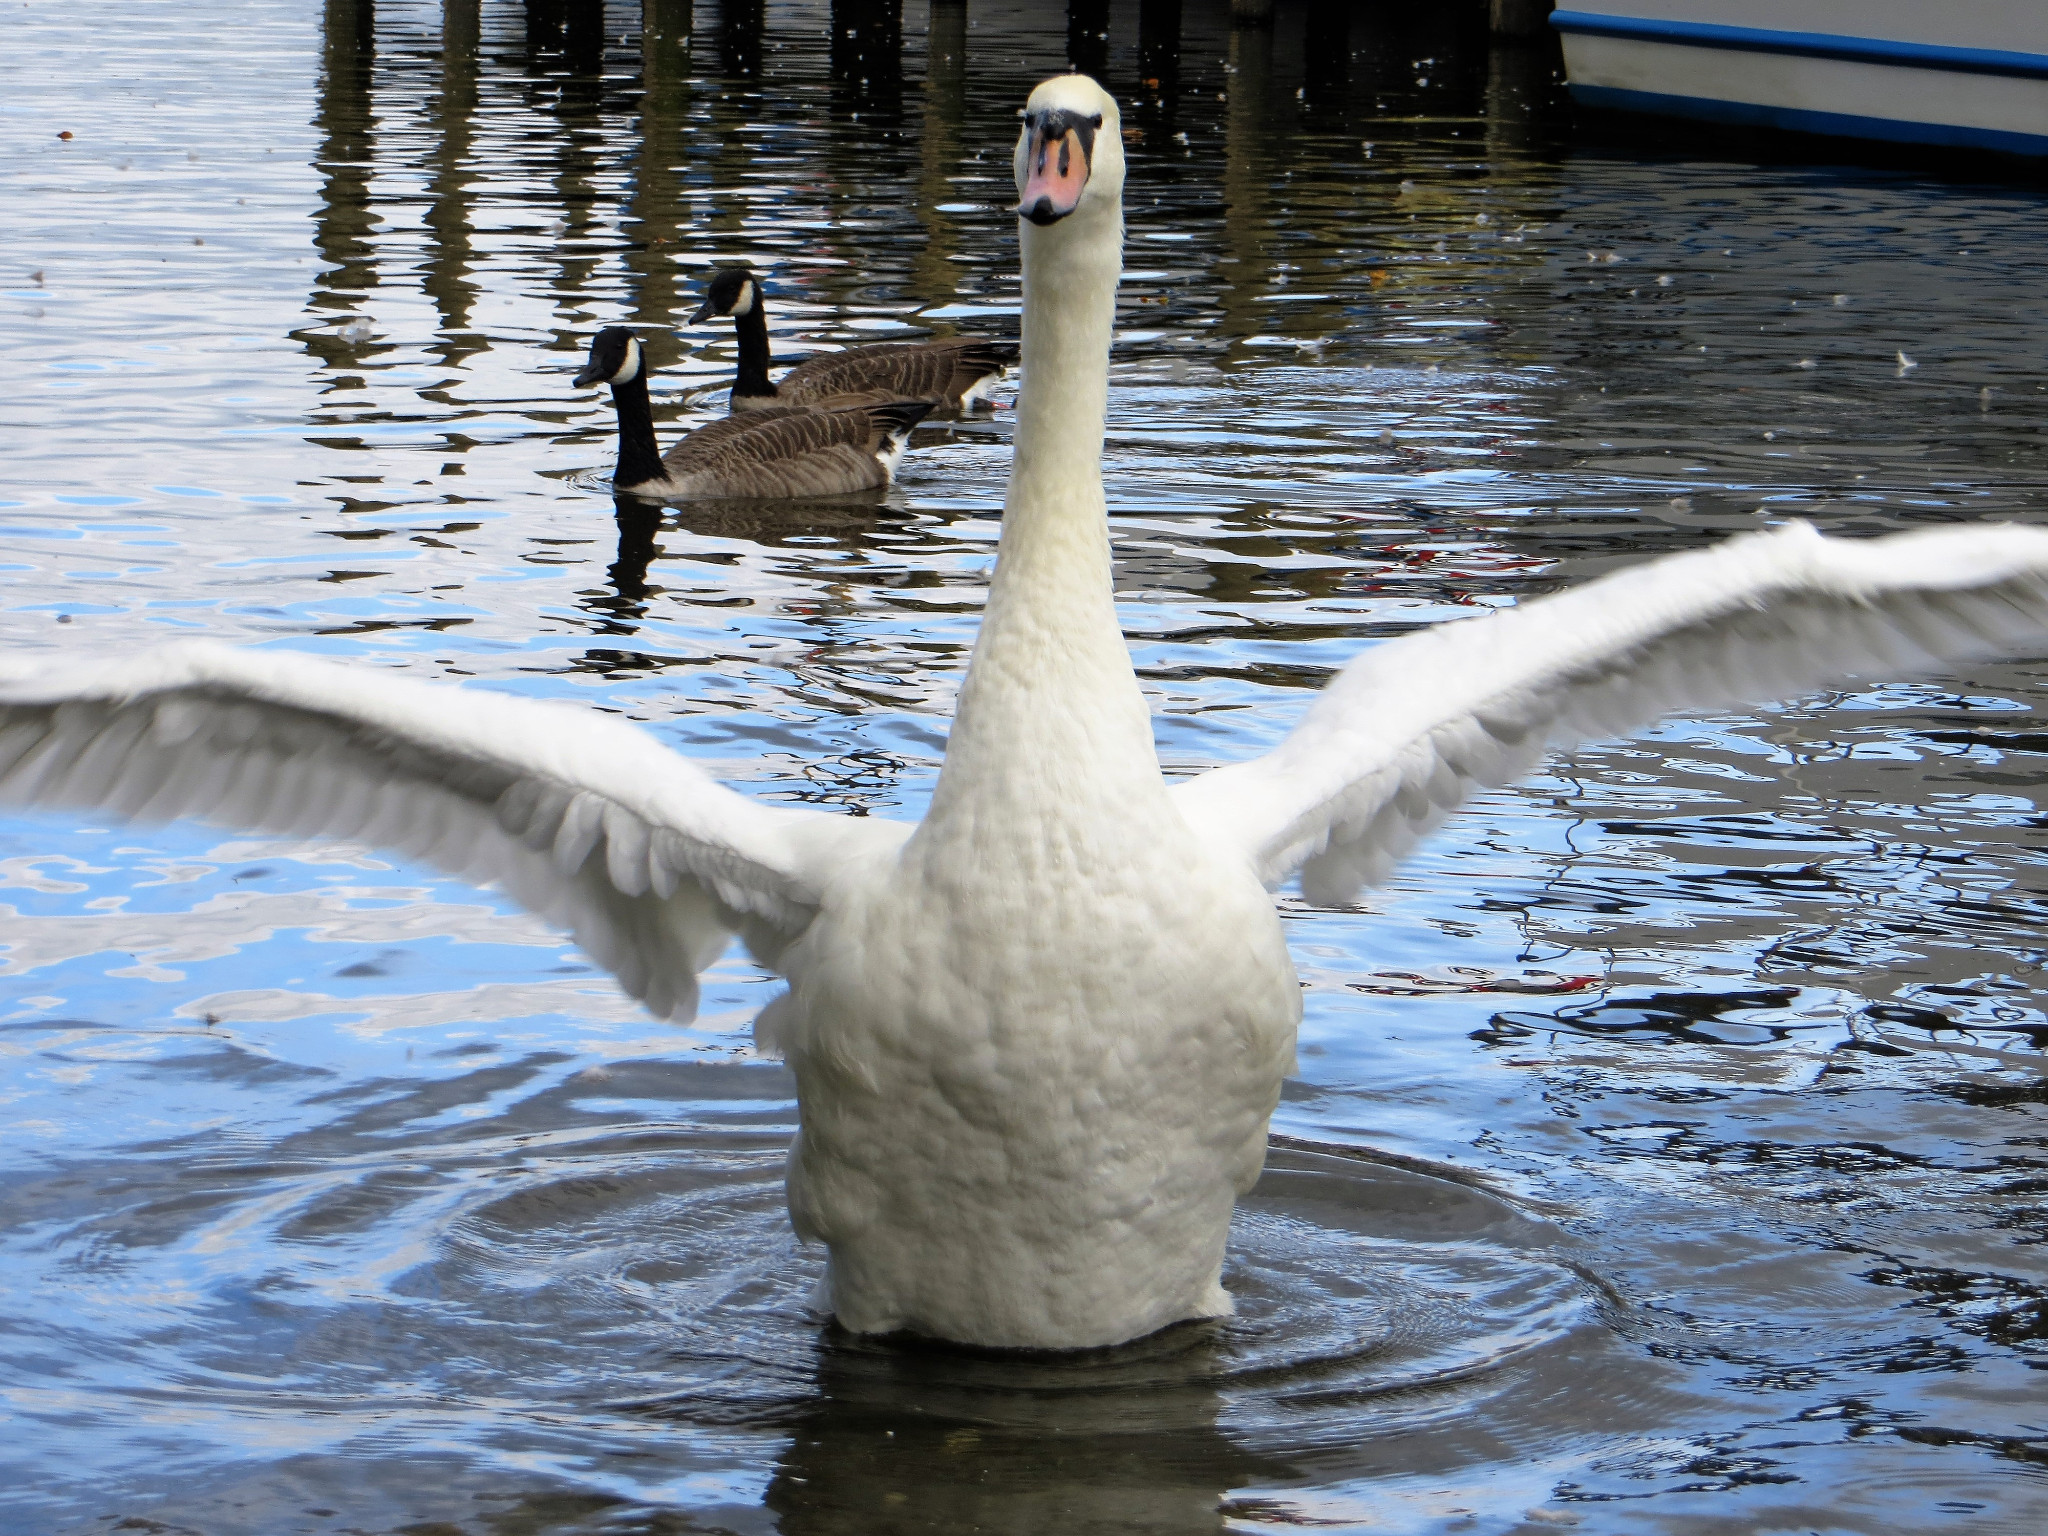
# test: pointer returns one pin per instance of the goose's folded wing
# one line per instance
(773, 437)
(939, 370)
(1402, 734)
(582, 818)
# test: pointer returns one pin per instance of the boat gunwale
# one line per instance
(1815, 45)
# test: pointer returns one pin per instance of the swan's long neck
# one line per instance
(752, 330)
(1050, 717)
(639, 458)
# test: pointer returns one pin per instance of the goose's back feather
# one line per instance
(583, 819)
(1402, 734)
(789, 452)
(944, 373)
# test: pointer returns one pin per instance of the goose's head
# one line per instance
(733, 291)
(614, 358)
(1070, 156)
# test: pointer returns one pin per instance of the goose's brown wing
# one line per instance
(938, 371)
(791, 452)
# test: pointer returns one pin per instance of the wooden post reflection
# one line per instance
(866, 56)
(740, 23)
(1158, 67)
(446, 273)
(654, 212)
(1326, 56)
(1088, 36)
(1247, 176)
(938, 144)
(343, 117)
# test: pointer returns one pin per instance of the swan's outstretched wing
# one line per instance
(1406, 731)
(584, 819)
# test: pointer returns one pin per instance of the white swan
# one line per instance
(1036, 1038)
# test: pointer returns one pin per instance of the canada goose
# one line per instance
(952, 374)
(774, 454)
(1036, 1037)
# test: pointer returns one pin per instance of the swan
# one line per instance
(952, 373)
(766, 455)
(1036, 1037)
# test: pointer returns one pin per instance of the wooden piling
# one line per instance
(1520, 18)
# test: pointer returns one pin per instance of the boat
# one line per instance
(1959, 75)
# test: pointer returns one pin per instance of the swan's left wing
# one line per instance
(582, 818)
(1401, 735)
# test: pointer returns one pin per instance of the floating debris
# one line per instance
(1603, 258)
(355, 331)
(1906, 364)
(64, 134)
(1806, 362)
(1841, 299)
(1663, 279)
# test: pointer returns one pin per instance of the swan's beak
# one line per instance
(1056, 162)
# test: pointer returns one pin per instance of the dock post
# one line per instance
(1088, 36)
(1519, 18)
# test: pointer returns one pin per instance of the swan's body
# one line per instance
(1036, 1038)
(775, 455)
(949, 374)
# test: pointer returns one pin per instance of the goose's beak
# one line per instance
(704, 312)
(590, 374)
(1055, 168)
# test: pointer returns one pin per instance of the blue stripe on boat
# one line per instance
(1811, 45)
(1841, 125)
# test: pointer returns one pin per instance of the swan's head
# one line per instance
(1070, 156)
(614, 358)
(733, 291)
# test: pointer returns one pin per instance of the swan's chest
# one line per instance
(1048, 980)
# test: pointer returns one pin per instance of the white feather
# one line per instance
(1762, 617)
(272, 741)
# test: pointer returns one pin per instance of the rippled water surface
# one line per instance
(1670, 1146)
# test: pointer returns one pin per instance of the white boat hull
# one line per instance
(1966, 74)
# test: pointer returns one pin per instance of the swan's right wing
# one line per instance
(580, 817)
(1401, 735)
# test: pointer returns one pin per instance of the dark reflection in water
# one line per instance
(1691, 1095)
(875, 1454)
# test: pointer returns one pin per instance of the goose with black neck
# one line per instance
(772, 455)
(951, 374)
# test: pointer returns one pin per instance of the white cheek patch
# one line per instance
(746, 299)
(629, 370)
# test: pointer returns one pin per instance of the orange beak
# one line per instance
(1055, 173)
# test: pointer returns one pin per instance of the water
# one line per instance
(1669, 1147)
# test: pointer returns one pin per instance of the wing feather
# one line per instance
(1405, 732)
(580, 817)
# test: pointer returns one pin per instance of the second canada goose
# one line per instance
(765, 455)
(951, 374)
